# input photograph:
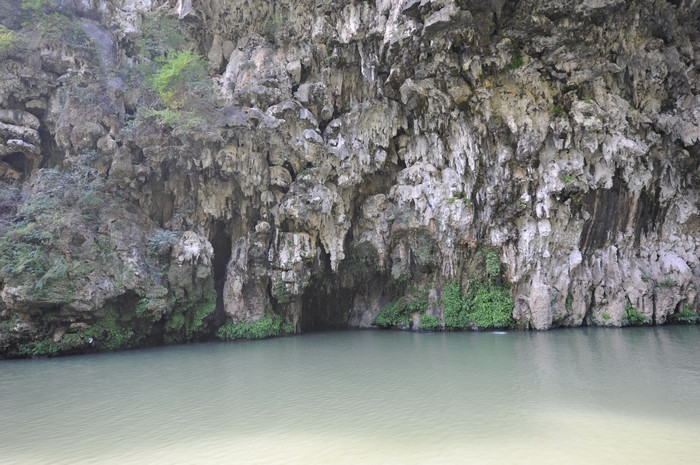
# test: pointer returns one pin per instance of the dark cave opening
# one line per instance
(326, 306)
(221, 243)
(18, 161)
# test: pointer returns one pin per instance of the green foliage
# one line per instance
(685, 316)
(569, 178)
(632, 317)
(516, 60)
(276, 28)
(183, 88)
(160, 35)
(35, 5)
(486, 305)
(606, 316)
(113, 332)
(491, 307)
(48, 348)
(262, 328)
(399, 311)
(493, 266)
(7, 38)
(38, 349)
(176, 74)
(569, 302)
(179, 93)
(58, 29)
(36, 249)
(668, 282)
(185, 322)
(429, 323)
(161, 241)
(281, 294)
(557, 111)
(453, 313)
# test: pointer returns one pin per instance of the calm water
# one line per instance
(583, 396)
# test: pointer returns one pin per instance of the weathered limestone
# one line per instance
(363, 148)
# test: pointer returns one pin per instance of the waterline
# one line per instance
(582, 396)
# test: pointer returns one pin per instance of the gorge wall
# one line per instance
(172, 171)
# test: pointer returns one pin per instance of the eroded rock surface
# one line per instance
(360, 150)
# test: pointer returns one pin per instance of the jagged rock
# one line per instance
(366, 148)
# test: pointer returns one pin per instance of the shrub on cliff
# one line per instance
(262, 328)
(490, 307)
(399, 312)
(487, 303)
(38, 248)
(179, 92)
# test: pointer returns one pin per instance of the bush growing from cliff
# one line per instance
(179, 93)
(262, 328)
(685, 316)
(487, 304)
(490, 307)
(429, 323)
(7, 37)
(453, 312)
(185, 321)
(399, 312)
(36, 248)
(632, 317)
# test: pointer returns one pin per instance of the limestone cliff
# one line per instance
(171, 171)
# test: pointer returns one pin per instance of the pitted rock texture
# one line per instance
(365, 148)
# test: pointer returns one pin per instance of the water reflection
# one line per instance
(575, 396)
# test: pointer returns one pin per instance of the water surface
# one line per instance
(581, 396)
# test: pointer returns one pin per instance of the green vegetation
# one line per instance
(569, 302)
(685, 316)
(114, 330)
(429, 323)
(20, 27)
(632, 317)
(186, 319)
(491, 307)
(179, 94)
(606, 316)
(262, 328)
(161, 241)
(399, 311)
(35, 5)
(486, 305)
(493, 266)
(160, 35)
(516, 60)
(37, 249)
(181, 84)
(277, 28)
(452, 303)
(281, 294)
(569, 178)
(557, 111)
(7, 37)
(668, 282)
(38, 349)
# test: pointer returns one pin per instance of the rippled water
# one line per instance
(583, 396)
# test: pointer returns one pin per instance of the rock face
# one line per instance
(357, 152)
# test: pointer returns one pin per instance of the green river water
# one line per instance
(580, 396)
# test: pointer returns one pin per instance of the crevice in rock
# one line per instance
(221, 243)
(18, 161)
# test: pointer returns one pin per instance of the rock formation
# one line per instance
(170, 169)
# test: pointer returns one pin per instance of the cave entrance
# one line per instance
(221, 243)
(326, 306)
